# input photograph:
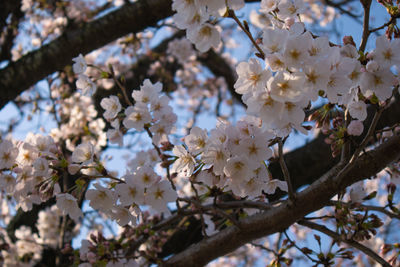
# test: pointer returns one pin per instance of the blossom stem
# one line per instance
(232, 15)
(366, 32)
(121, 86)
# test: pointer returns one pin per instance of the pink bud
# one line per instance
(289, 22)
(91, 257)
(355, 128)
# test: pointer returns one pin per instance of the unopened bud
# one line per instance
(348, 39)
(289, 22)
(391, 187)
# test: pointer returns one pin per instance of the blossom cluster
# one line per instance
(232, 157)
(193, 16)
(84, 82)
(301, 67)
(141, 185)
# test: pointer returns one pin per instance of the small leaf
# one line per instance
(246, 25)
(370, 196)
(105, 75)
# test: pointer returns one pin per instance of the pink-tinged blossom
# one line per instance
(68, 205)
(219, 7)
(27, 154)
(276, 62)
(296, 50)
(8, 154)
(252, 77)
(379, 83)
(148, 92)
(355, 128)
(210, 179)
(274, 40)
(318, 49)
(215, 155)
(350, 51)
(159, 195)
(160, 131)
(182, 50)
(204, 37)
(159, 106)
(85, 84)
(287, 87)
(358, 110)
(251, 188)
(191, 18)
(237, 169)
(83, 153)
(196, 140)
(146, 176)
(289, 8)
(183, 5)
(122, 216)
(137, 116)
(338, 85)
(101, 198)
(272, 185)
(44, 144)
(41, 167)
(112, 106)
(79, 67)
(372, 66)
(131, 192)
(387, 53)
(262, 105)
(316, 78)
(184, 163)
(290, 114)
(255, 149)
(267, 6)
(357, 192)
(7, 183)
(114, 135)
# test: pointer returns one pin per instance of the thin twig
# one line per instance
(370, 207)
(232, 15)
(369, 134)
(392, 20)
(298, 248)
(285, 171)
(366, 32)
(363, 143)
(352, 243)
(121, 86)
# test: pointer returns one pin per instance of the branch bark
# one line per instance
(36, 65)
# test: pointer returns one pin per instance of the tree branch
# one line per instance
(36, 65)
(279, 218)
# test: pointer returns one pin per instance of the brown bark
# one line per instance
(36, 65)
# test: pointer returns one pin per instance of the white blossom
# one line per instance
(68, 205)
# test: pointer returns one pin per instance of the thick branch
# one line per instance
(6, 8)
(131, 18)
(277, 219)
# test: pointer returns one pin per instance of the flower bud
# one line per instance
(355, 128)
(348, 39)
